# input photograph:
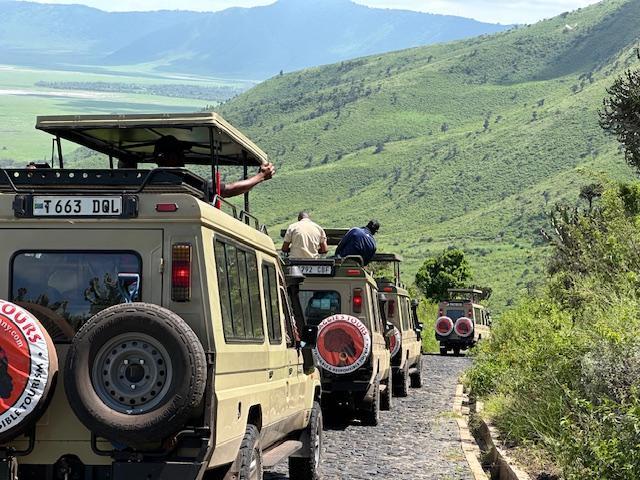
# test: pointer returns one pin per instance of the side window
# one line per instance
(238, 284)
(405, 314)
(476, 314)
(373, 309)
(270, 290)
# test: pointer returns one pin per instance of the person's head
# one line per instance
(373, 226)
(169, 152)
(302, 215)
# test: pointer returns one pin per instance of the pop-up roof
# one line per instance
(133, 137)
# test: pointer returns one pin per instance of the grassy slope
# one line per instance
(485, 189)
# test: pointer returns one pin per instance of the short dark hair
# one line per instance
(373, 226)
(303, 214)
(168, 144)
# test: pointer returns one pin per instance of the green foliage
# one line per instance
(450, 269)
(621, 114)
(562, 369)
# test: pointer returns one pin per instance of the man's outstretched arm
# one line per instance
(243, 186)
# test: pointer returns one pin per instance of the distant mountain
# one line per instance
(463, 144)
(251, 43)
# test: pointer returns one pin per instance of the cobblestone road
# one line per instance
(417, 440)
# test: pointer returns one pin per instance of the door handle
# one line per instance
(290, 371)
(270, 374)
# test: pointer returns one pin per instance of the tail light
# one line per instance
(357, 300)
(392, 308)
(444, 326)
(181, 272)
(464, 327)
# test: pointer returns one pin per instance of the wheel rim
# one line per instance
(132, 373)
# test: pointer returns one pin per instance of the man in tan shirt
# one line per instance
(305, 239)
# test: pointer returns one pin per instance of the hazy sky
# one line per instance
(503, 11)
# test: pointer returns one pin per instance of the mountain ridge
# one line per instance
(252, 43)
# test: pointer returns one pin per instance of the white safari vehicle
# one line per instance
(462, 322)
(146, 333)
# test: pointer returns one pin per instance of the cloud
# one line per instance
(503, 11)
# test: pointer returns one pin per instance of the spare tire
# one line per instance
(135, 373)
(343, 345)
(395, 342)
(28, 370)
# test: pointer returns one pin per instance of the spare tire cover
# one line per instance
(343, 345)
(395, 342)
(28, 370)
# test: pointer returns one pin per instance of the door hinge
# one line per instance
(161, 265)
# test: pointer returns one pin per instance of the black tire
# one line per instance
(250, 455)
(443, 351)
(308, 468)
(416, 378)
(456, 351)
(181, 365)
(402, 382)
(371, 413)
(386, 398)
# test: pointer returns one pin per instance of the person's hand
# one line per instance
(267, 171)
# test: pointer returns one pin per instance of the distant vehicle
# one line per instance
(180, 354)
(341, 298)
(462, 322)
(406, 341)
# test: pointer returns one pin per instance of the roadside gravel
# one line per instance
(418, 439)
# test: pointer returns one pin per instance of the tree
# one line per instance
(450, 269)
(591, 192)
(621, 115)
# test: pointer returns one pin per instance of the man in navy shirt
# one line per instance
(359, 241)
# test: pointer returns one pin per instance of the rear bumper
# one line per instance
(455, 342)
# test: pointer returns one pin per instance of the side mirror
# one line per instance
(388, 329)
(414, 303)
(420, 327)
(309, 336)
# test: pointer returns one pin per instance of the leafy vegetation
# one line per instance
(465, 145)
(448, 270)
(561, 371)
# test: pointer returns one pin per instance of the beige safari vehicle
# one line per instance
(341, 299)
(462, 322)
(165, 320)
(406, 341)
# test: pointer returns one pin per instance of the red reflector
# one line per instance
(166, 207)
(181, 272)
(357, 300)
(353, 272)
(387, 289)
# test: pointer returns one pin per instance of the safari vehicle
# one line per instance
(341, 299)
(462, 322)
(164, 319)
(406, 341)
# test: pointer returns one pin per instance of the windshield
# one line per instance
(454, 314)
(64, 289)
(318, 305)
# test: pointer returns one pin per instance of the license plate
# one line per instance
(316, 269)
(56, 206)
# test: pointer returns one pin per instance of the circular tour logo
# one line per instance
(343, 345)
(24, 365)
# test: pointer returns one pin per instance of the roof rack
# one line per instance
(472, 294)
(159, 180)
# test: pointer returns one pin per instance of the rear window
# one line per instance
(64, 289)
(318, 305)
(454, 314)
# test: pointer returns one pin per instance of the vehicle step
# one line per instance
(279, 453)
(413, 371)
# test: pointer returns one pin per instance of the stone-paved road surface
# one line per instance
(418, 439)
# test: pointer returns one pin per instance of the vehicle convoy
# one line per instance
(462, 322)
(406, 341)
(341, 298)
(165, 320)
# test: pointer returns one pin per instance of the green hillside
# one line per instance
(463, 144)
